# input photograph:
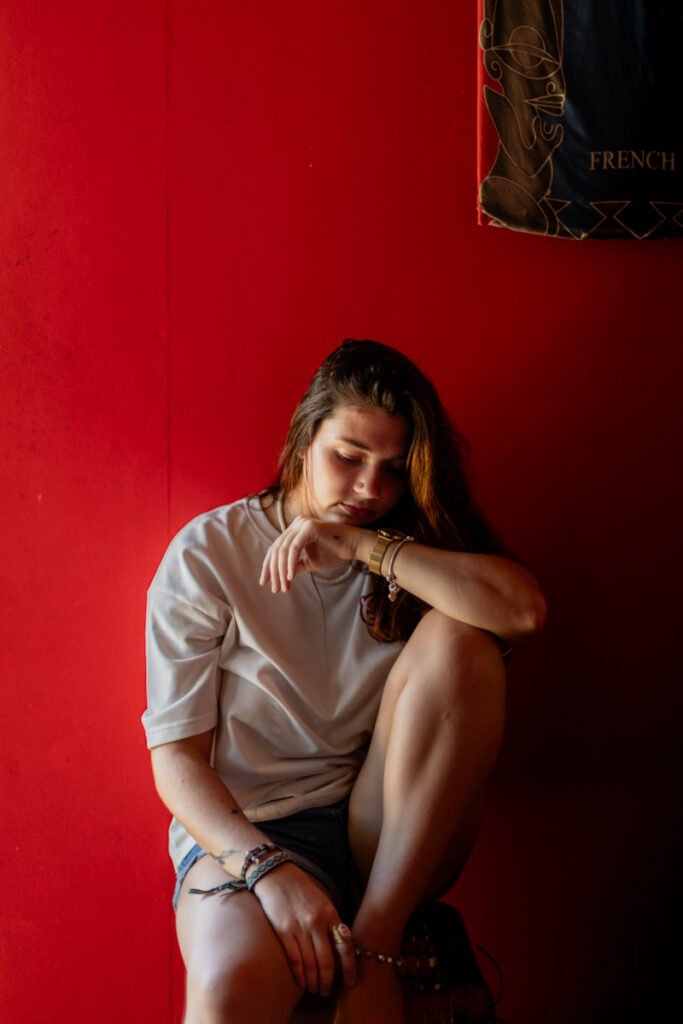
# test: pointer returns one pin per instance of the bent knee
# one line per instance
(217, 993)
(449, 670)
(213, 991)
(449, 647)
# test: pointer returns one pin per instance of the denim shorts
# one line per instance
(318, 842)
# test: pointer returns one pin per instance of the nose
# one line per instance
(369, 482)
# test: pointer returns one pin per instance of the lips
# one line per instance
(356, 511)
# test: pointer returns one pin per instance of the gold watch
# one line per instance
(384, 539)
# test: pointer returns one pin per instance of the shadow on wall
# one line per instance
(581, 839)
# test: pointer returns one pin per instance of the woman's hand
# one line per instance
(486, 591)
(306, 545)
(302, 915)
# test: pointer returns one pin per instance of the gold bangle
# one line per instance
(384, 539)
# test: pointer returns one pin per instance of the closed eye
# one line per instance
(395, 468)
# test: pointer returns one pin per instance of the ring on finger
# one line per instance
(341, 934)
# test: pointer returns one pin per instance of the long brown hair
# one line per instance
(436, 508)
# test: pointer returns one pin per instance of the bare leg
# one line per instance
(417, 802)
(237, 972)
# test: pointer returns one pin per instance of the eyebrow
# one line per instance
(366, 448)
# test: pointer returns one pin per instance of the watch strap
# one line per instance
(384, 539)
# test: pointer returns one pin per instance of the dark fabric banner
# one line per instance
(580, 117)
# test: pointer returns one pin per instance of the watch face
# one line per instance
(390, 534)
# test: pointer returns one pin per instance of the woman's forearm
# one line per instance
(195, 795)
(486, 591)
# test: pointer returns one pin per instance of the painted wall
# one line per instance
(199, 201)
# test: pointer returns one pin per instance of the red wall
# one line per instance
(199, 201)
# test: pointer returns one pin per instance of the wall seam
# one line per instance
(167, 228)
(168, 382)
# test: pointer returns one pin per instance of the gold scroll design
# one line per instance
(612, 219)
(523, 44)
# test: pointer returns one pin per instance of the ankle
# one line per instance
(381, 940)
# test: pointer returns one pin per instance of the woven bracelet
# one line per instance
(263, 869)
(235, 885)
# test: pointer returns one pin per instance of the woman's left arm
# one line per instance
(487, 591)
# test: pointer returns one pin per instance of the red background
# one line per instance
(199, 201)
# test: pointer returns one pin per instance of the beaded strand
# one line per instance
(396, 962)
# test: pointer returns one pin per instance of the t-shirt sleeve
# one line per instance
(189, 625)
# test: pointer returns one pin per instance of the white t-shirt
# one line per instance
(290, 682)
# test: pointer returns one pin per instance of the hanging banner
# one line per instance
(580, 117)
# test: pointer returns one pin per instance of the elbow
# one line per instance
(168, 765)
(532, 616)
(160, 763)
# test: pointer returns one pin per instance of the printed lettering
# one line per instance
(631, 160)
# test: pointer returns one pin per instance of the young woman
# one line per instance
(326, 698)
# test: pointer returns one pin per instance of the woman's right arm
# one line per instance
(299, 911)
(193, 792)
(190, 625)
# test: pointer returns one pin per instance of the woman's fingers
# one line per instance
(295, 958)
(286, 556)
(310, 959)
(311, 964)
(294, 547)
(306, 545)
(306, 922)
(325, 958)
(295, 557)
(274, 568)
(266, 568)
(318, 949)
(343, 945)
(281, 568)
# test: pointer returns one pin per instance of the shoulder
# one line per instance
(219, 526)
(206, 548)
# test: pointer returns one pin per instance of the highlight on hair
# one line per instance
(436, 508)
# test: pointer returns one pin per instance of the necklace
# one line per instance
(318, 577)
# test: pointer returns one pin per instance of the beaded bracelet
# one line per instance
(397, 962)
(418, 969)
(281, 857)
(253, 856)
(393, 586)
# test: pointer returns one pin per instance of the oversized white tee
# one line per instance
(291, 682)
